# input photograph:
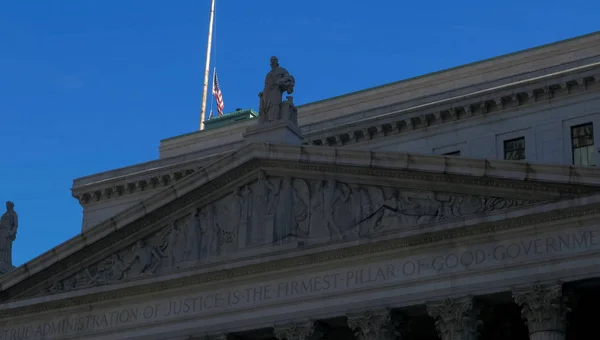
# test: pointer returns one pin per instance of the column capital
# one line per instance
(305, 330)
(543, 307)
(455, 318)
(372, 324)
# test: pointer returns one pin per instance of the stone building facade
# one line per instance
(458, 205)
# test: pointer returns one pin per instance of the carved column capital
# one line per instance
(544, 309)
(308, 330)
(372, 325)
(455, 318)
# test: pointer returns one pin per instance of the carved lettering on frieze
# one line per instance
(274, 211)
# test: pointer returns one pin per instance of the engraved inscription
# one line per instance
(408, 269)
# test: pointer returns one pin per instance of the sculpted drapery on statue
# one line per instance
(277, 81)
(8, 232)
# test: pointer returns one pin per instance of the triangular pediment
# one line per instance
(267, 200)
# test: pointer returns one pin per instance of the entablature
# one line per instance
(130, 180)
(300, 194)
(535, 91)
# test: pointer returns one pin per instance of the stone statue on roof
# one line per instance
(9, 223)
(277, 82)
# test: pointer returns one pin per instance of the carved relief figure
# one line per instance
(193, 236)
(301, 211)
(170, 245)
(208, 229)
(277, 81)
(147, 256)
(115, 269)
(229, 219)
(284, 217)
(263, 205)
(390, 212)
(361, 203)
(314, 210)
(331, 194)
(316, 217)
(9, 222)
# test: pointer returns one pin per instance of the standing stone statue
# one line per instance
(8, 233)
(272, 108)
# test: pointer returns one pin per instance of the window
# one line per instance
(453, 153)
(514, 149)
(582, 143)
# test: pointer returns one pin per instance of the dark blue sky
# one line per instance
(92, 85)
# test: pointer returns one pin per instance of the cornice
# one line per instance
(495, 100)
(397, 244)
(141, 181)
(175, 202)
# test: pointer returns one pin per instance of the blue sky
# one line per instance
(92, 85)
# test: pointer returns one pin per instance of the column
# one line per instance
(373, 325)
(543, 307)
(455, 319)
(308, 330)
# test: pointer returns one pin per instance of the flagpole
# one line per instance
(207, 67)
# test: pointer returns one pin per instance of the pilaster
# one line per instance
(373, 325)
(455, 319)
(307, 330)
(544, 309)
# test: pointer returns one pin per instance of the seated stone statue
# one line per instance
(271, 107)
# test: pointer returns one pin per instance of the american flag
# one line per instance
(217, 93)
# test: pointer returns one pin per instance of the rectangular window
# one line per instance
(514, 149)
(453, 153)
(582, 143)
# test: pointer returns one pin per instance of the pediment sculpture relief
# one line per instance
(273, 211)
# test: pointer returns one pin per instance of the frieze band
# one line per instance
(276, 211)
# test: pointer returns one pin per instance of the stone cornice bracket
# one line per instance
(484, 107)
(453, 114)
(372, 325)
(409, 123)
(455, 318)
(544, 309)
(307, 330)
(468, 110)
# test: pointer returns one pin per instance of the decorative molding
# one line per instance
(505, 98)
(357, 251)
(543, 307)
(372, 325)
(455, 318)
(270, 211)
(149, 223)
(308, 330)
(152, 180)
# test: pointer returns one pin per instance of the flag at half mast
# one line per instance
(217, 93)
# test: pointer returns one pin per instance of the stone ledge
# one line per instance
(489, 101)
(277, 132)
(347, 255)
(150, 214)
(520, 62)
